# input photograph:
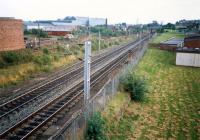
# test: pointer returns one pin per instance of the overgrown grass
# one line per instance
(165, 36)
(172, 110)
(135, 85)
(18, 66)
(118, 126)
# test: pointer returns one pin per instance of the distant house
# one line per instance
(59, 30)
(171, 44)
(189, 55)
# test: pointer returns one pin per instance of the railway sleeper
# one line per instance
(44, 128)
(22, 133)
(14, 137)
(2, 112)
(34, 123)
(9, 105)
(57, 106)
(39, 120)
(64, 112)
(53, 109)
(49, 112)
(49, 123)
(59, 116)
(61, 103)
(44, 115)
(28, 128)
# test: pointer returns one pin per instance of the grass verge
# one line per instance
(172, 110)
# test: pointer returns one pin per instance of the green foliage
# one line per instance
(45, 51)
(36, 32)
(167, 35)
(59, 48)
(135, 85)
(96, 128)
(15, 57)
(106, 31)
(10, 57)
(56, 57)
(43, 60)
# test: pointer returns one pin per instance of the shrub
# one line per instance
(43, 60)
(10, 57)
(96, 128)
(38, 33)
(135, 85)
(45, 51)
(15, 57)
(59, 48)
(56, 57)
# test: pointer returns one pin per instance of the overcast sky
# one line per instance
(130, 11)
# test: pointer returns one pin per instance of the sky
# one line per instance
(116, 11)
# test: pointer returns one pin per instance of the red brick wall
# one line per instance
(167, 47)
(193, 43)
(11, 34)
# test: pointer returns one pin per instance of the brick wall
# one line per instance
(192, 43)
(11, 34)
(171, 48)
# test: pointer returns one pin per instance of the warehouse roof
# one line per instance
(173, 41)
(193, 37)
(59, 28)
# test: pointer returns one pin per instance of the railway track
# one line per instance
(17, 103)
(42, 116)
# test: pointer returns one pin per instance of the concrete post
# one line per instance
(87, 62)
(74, 130)
(99, 41)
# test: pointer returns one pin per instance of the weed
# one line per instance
(45, 51)
(135, 85)
(96, 128)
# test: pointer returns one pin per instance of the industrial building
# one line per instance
(171, 44)
(11, 34)
(189, 55)
(59, 30)
(192, 41)
(75, 21)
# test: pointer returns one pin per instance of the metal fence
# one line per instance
(75, 128)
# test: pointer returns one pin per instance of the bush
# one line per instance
(10, 57)
(43, 60)
(56, 57)
(59, 48)
(45, 51)
(15, 57)
(36, 32)
(96, 128)
(135, 85)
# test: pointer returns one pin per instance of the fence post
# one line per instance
(113, 86)
(74, 130)
(104, 96)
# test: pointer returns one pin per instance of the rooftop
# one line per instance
(59, 28)
(196, 36)
(173, 41)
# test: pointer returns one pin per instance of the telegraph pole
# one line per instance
(87, 61)
(99, 40)
(38, 33)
